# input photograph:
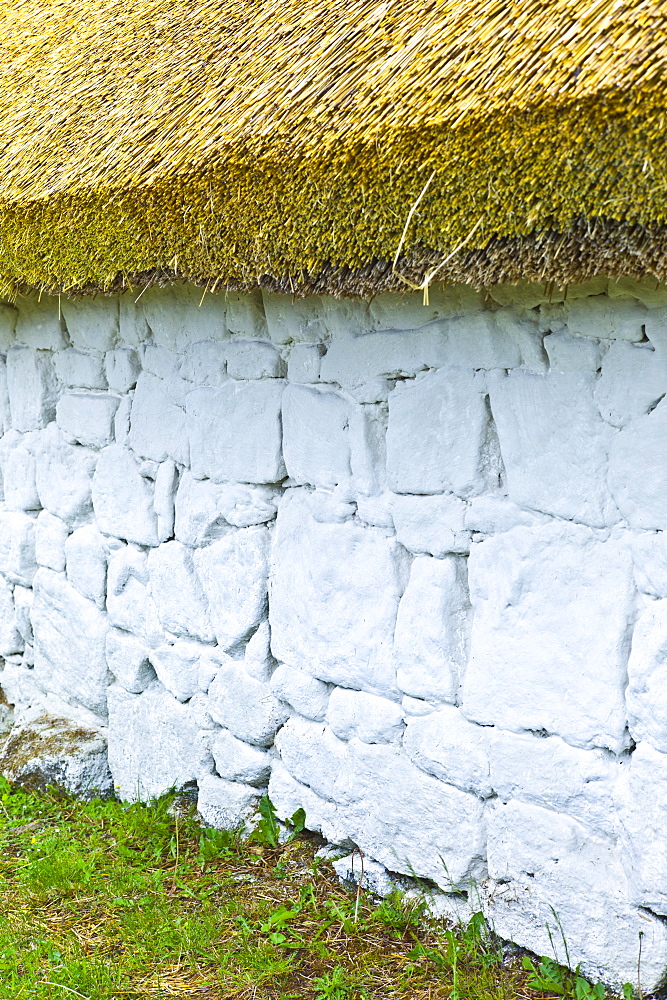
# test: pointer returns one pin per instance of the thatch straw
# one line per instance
(243, 142)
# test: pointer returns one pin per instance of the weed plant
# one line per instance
(104, 900)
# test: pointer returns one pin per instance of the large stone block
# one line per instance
(604, 318)
(87, 418)
(367, 717)
(254, 359)
(50, 537)
(70, 634)
(32, 388)
(304, 363)
(127, 659)
(92, 323)
(315, 439)
(40, 323)
(550, 773)
(86, 554)
(179, 315)
(556, 882)
(11, 640)
(64, 477)
(438, 435)
(245, 705)
(306, 695)
(554, 444)
(245, 313)
(129, 604)
(239, 761)
(157, 425)
(649, 555)
(178, 594)
(638, 470)
(226, 805)
(353, 362)
(334, 593)
(17, 547)
(647, 677)
(395, 813)
(205, 363)
(430, 524)
(432, 629)
(5, 409)
(8, 317)
(19, 476)
(79, 369)
(641, 803)
(122, 369)
(154, 743)
(235, 432)
(552, 609)
(633, 379)
(123, 498)
(450, 748)
(177, 667)
(233, 572)
(204, 510)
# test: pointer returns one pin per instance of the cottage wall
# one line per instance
(404, 565)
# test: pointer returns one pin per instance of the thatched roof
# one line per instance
(303, 144)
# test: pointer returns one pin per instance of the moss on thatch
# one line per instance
(290, 143)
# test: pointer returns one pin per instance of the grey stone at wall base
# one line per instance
(52, 751)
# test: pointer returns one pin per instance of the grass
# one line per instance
(104, 900)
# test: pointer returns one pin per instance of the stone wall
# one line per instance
(404, 565)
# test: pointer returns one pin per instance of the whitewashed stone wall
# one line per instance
(403, 565)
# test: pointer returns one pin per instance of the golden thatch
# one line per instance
(303, 144)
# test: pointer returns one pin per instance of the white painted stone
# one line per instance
(64, 477)
(642, 814)
(235, 432)
(80, 369)
(205, 363)
(121, 424)
(547, 865)
(415, 706)
(32, 388)
(633, 380)
(160, 361)
(8, 317)
(239, 761)
(315, 440)
(132, 326)
(50, 537)
(154, 744)
(638, 470)
(86, 554)
(304, 363)
(354, 362)
(257, 658)
(396, 814)
(129, 604)
(122, 368)
(649, 554)
(209, 664)
(334, 594)
(204, 510)
(123, 498)
(11, 640)
(40, 324)
(177, 667)
(603, 319)
(646, 290)
(166, 483)
(306, 695)
(552, 611)
(198, 706)
(182, 315)
(254, 359)
(92, 324)
(554, 445)
(127, 659)
(647, 675)
(573, 354)
(19, 474)
(245, 313)
(298, 320)
(233, 572)
(157, 426)
(491, 515)
(548, 772)
(367, 429)
(244, 705)
(87, 418)
(23, 597)
(370, 875)
(479, 340)
(432, 629)
(450, 748)
(426, 450)
(367, 716)
(5, 409)
(70, 634)
(376, 511)
(430, 524)
(226, 805)
(178, 594)
(17, 547)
